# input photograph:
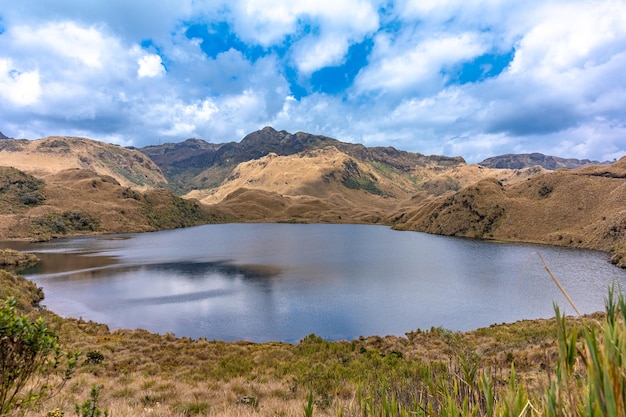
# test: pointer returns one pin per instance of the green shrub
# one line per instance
(94, 357)
(29, 357)
(89, 408)
(193, 408)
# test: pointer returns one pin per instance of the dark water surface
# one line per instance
(263, 282)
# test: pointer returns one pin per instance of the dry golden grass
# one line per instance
(581, 208)
(51, 155)
(145, 374)
(101, 205)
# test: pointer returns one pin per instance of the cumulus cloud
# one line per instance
(410, 65)
(18, 87)
(468, 77)
(150, 66)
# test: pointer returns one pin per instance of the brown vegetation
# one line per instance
(315, 179)
(148, 374)
(580, 208)
(79, 201)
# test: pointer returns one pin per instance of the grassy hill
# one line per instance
(79, 201)
(60, 186)
(579, 208)
(48, 156)
(50, 191)
(196, 164)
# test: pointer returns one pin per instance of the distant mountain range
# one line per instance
(2, 136)
(519, 161)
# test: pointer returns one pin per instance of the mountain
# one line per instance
(51, 155)
(526, 160)
(61, 186)
(196, 164)
(2, 136)
(577, 208)
(320, 185)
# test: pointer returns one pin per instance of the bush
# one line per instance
(94, 357)
(90, 407)
(29, 356)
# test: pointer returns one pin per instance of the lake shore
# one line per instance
(142, 373)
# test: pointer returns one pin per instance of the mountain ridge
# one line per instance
(50, 155)
(526, 160)
(208, 165)
(329, 181)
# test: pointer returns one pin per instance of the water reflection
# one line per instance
(265, 282)
(106, 267)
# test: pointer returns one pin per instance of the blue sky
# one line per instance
(474, 78)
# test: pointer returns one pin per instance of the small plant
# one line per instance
(94, 357)
(545, 191)
(308, 408)
(90, 407)
(30, 356)
(193, 408)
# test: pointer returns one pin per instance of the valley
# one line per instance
(86, 186)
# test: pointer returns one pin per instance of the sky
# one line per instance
(471, 78)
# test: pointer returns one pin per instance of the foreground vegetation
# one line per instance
(558, 367)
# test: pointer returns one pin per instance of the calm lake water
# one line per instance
(264, 282)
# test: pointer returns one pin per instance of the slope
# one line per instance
(51, 155)
(580, 208)
(79, 201)
(196, 164)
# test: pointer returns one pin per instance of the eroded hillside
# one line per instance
(77, 186)
(196, 164)
(330, 185)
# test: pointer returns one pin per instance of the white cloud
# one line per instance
(19, 87)
(86, 46)
(333, 26)
(256, 22)
(571, 37)
(72, 67)
(183, 119)
(409, 65)
(150, 66)
(312, 52)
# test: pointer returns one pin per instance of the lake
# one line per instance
(266, 282)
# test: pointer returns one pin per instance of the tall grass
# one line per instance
(557, 367)
(589, 380)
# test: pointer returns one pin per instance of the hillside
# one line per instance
(580, 208)
(63, 186)
(323, 185)
(196, 164)
(49, 156)
(79, 201)
(328, 185)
